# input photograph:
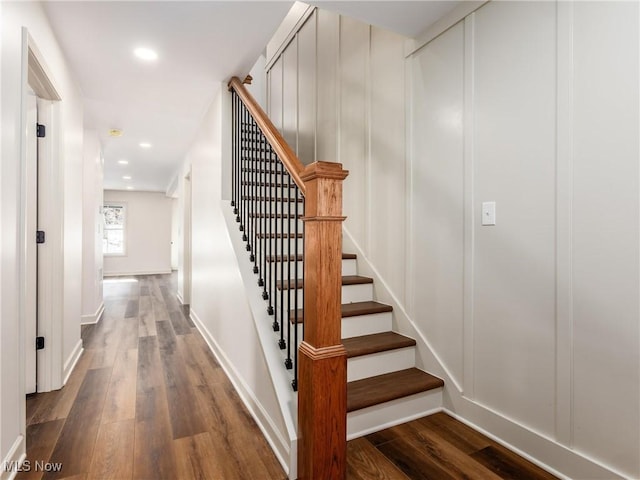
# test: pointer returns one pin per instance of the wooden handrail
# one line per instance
(287, 156)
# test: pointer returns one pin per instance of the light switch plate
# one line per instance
(488, 213)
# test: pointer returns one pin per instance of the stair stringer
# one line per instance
(286, 449)
(535, 447)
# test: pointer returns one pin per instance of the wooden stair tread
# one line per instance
(346, 280)
(390, 386)
(375, 343)
(279, 235)
(354, 309)
(300, 257)
(272, 199)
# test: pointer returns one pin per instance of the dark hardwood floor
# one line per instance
(148, 400)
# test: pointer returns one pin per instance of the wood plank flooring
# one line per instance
(148, 400)
(436, 447)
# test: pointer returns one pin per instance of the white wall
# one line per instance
(175, 232)
(148, 234)
(15, 15)
(219, 305)
(92, 225)
(534, 322)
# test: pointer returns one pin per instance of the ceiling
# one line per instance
(199, 44)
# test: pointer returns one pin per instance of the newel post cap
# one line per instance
(330, 170)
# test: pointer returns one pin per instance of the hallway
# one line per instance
(146, 400)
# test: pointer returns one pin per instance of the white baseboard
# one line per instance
(145, 272)
(278, 444)
(71, 362)
(93, 318)
(180, 299)
(13, 460)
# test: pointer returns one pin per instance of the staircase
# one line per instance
(272, 191)
(384, 386)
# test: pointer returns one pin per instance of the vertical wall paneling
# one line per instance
(469, 212)
(275, 93)
(307, 90)
(564, 173)
(327, 82)
(352, 148)
(290, 94)
(388, 188)
(605, 240)
(514, 160)
(437, 196)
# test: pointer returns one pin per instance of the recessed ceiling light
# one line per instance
(126, 177)
(123, 162)
(146, 54)
(145, 145)
(115, 132)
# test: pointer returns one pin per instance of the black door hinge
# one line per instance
(40, 130)
(39, 343)
(40, 236)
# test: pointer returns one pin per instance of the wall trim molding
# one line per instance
(512, 434)
(93, 318)
(14, 459)
(71, 362)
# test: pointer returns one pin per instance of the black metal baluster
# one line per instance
(246, 174)
(272, 245)
(296, 315)
(263, 213)
(234, 156)
(293, 288)
(280, 253)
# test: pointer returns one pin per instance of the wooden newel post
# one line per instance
(322, 360)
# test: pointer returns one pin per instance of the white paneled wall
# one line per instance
(513, 163)
(436, 196)
(604, 210)
(533, 105)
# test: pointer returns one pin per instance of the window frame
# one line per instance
(125, 209)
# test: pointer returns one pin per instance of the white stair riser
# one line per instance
(372, 419)
(359, 325)
(273, 268)
(380, 363)
(366, 324)
(350, 293)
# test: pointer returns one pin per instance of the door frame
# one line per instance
(37, 76)
(186, 237)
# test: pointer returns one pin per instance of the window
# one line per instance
(113, 241)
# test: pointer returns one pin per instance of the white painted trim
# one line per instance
(608, 472)
(128, 274)
(51, 192)
(93, 318)
(286, 32)
(442, 25)
(468, 335)
(15, 457)
(71, 362)
(278, 444)
(180, 299)
(564, 424)
(400, 421)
